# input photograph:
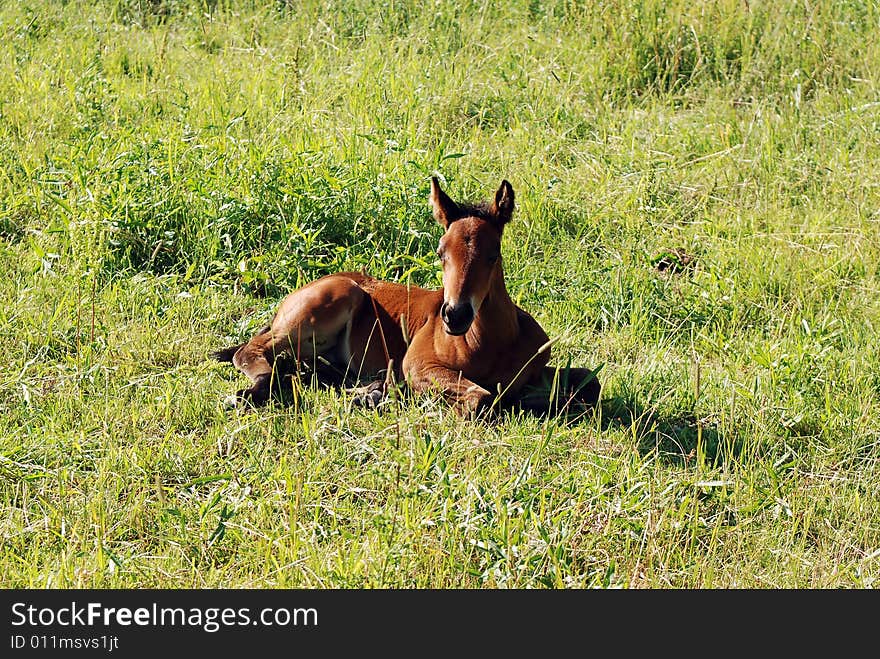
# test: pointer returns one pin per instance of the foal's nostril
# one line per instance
(444, 312)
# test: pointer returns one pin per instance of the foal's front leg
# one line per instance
(466, 396)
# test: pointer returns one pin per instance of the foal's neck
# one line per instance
(497, 318)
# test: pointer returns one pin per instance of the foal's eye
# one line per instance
(494, 258)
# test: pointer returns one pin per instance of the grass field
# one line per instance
(168, 170)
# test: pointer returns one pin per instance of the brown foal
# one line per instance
(467, 341)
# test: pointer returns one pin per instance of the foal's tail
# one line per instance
(226, 354)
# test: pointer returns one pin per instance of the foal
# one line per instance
(467, 341)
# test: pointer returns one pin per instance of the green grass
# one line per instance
(168, 170)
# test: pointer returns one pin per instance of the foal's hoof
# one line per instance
(370, 396)
(247, 398)
(588, 394)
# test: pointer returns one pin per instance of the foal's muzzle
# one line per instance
(457, 318)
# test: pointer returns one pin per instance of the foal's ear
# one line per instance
(445, 210)
(502, 207)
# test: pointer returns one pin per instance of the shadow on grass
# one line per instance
(676, 439)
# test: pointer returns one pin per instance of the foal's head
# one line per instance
(470, 252)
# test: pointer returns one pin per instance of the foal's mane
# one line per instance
(480, 209)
